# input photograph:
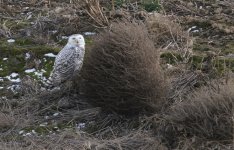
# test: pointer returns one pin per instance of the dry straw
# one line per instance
(207, 114)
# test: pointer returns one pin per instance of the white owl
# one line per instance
(69, 61)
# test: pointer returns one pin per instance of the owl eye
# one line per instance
(73, 38)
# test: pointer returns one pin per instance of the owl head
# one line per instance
(76, 40)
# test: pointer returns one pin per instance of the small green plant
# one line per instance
(151, 5)
(119, 3)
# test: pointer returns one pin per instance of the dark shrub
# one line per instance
(122, 71)
(207, 114)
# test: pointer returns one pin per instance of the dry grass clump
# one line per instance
(207, 114)
(122, 71)
(168, 34)
(81, 141)
(199, 143)
(7, 121)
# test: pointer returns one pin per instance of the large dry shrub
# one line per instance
(122, 70)
(207, 114)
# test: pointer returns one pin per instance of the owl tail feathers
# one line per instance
(48, 84)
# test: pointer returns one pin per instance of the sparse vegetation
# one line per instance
(205, 113)
(157, 75)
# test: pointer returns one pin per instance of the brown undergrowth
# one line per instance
(205, 114)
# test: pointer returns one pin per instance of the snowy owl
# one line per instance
(69, 61)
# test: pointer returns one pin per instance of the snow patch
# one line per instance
(50, 55)
(55, 114)
(89, 33)
(193, 27)
(14, 75)
(195, 31)
(4, 58)
(11, 41)
(27, 56)
(80, 126)
(30, 70)
(21, 132)
(14, 88)
(64, 37)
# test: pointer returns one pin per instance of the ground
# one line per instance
(33, 32)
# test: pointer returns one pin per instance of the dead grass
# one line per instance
(123, 75)
(169, 35)
(7, 121)
(94, 10)
(206, 114)
(122, 71)
(71, 140)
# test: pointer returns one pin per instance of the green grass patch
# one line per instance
(151, 5)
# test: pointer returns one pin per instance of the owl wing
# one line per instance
(79, 60)
(64, 65)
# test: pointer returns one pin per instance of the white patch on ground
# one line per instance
(169, 66)
(195, 31)
(4, 58)
(14, 75)
(56, 128)
(193, 27)
(11, 41)
(17, 80)
(30, 70)
(43, 124)
(1, 87)
(80, 126)
(14, 88)
(1, 79)
(230, 56)
(34, 132)
(50, 55)
(53, 31)
(1, 69)
(64, 37)
(38, 73)
(55, 114)
(89, 33)
(13, 78)
(21, 132)
(27, 56)
(27, 134)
